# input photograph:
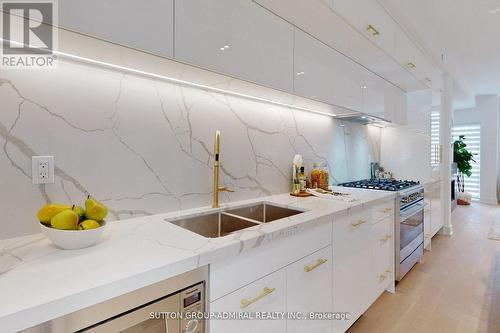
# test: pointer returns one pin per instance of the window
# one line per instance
(435, 138)
(472, 133)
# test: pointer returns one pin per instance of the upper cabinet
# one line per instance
(368, 17)
(126, 22)
(324, 74)
(383, 99)
(372, 20)
(235, 37)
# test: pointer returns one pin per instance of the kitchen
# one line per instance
(176, 167)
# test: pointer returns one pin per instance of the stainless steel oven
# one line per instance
(410, 230)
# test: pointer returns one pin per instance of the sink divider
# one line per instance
(240, 217)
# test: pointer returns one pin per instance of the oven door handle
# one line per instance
(411, 211)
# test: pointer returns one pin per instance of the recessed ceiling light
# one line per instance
(364, 87)
(222, 49)
(300, 73)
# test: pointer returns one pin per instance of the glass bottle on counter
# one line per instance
(319, 176)
(302, 179)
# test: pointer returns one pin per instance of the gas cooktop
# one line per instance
(382, 184)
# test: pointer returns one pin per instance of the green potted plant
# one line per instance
(463, 158)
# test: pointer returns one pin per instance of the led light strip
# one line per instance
(178, 81)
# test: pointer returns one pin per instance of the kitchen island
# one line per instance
(39, 282)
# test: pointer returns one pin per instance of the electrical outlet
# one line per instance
(42, 169)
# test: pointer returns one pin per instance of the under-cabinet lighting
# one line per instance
(376, 125)
(177, 81)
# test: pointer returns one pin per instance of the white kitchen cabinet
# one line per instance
(427, 220)
(382, 256)
(369, 18)
(256, 263)
(363, 262)
(149, 28)
(383, 99)
(410, 57)
(435, 199)
(265, 295)
(235, 37)
(310, 289)
(352, 283)
(324, 74)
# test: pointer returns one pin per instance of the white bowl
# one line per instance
(73, 239)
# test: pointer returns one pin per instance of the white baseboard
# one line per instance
(489, 201)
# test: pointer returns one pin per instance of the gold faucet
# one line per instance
(217, 189)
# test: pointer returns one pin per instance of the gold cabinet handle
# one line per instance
(357, 224)
(371, 29)
(386, 238)
(383, 276)
(247, 302)
(411, 65)
(386, 210)
(318, 263)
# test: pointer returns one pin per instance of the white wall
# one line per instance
(486, 114)
(405, 150)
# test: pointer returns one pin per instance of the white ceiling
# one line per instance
(465, 32)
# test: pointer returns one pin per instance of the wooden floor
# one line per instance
(456, 287)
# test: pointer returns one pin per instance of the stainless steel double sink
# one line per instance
(222, 223)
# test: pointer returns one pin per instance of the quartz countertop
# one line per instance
(39, 282)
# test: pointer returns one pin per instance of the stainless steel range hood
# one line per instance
(364, 119)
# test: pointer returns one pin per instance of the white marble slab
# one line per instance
(144, 146)
(39, 282)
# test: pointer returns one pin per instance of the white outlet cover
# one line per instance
(42, 169)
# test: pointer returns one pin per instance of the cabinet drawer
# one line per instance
(380, 212)
(351, 234)
(265, 295)
(309, 289)
(256, 263)
(383, 261)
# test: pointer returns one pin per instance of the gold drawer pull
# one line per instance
(383, 276)
(386, 238)
(316, 265)
(371, 29)
(386, 210)
(265, 291)
(357, 224)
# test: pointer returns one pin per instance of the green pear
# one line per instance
(65, 220)
(80, 211)
(88, 224)
(95, 210)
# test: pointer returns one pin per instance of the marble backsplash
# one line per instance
(144, 146)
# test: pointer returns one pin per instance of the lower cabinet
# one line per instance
(363, 265)
(345, 276)
(309, 289)
(265, 295)
(433, 221)
(304, 286)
